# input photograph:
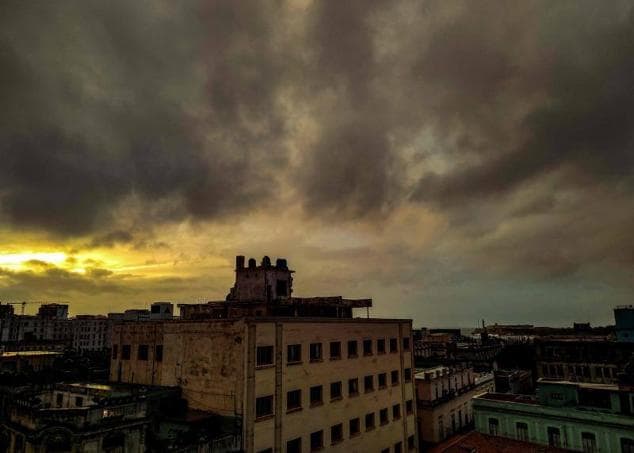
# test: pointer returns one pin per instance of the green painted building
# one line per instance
(570, 415)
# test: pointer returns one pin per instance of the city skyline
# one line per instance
(451, 161)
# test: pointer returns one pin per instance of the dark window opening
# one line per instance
(369, 421)
(125, 352)
(293, 400)
(380, 345)
(335, 350)
(315, 352)
(354, 427)
(264, 355)
(393, 345)
(383, 416)
(352, 348)
(316, 395)
(264, 406)
(158, 353)
(294, 353)
(367, 347)
(143, 352)
(335, 390)
(336, 433)
(368, 383)
(353, 387)
(317, 441)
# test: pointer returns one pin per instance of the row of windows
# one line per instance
(264, 354)
(579, 371)
(316, 442)
(294, 400)
(588, 440)
(142, 352)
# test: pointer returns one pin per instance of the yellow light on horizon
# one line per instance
(17, 259)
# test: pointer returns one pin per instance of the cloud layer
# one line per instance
(500, 133)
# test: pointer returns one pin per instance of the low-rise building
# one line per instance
(20, 361)
(77, 417)
(575, 416)
(443, 397)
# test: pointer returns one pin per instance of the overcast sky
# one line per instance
(453, 160)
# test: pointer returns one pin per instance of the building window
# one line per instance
(385, 450)
(315, 352)
(522, 431)
(406, 344)
(493, 426)
(382, 380)
(316, 395)
(369, 421)
(79, 401)
(409, 407)
(294, 353)
(354, 427)
(367, 347)
(396, 411)
(335, 350)
(336, 433)
(368, 384)
(380, 346)
(60, 399)
(264, 406)
(125, 352)
(317, 440)
(143, 352)
(335, 390)
(393, 345)
(398, 447)
(115, 351)
(264, 355)
(353, 387)
(158, 353)
(411, 443)
(293, 400)
(383, 416)
(554, 437)
(352, 349)
(408, 374)
(394, 376)
(627, 445)
(294, 446)
(266, 450)
(588, 443)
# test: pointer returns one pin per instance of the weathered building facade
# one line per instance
(302, 374)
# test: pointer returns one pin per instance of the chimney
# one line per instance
(239, 262)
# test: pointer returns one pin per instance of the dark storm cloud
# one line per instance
(103, 102)
(483, 112)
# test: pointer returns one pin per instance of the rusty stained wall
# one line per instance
(135, 371)
(205, 359)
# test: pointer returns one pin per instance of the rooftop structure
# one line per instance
(443, 396)
(266, 290)
(624, 317)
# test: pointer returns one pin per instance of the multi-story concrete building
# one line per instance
(299, 381)
(584, 417)
(444, 400)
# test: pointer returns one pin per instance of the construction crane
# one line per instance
(23, 304)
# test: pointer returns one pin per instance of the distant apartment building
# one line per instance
(91, 333)
(624, 318)
(589, 359)
(301, 373)
(583, 417)
(443, 397)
